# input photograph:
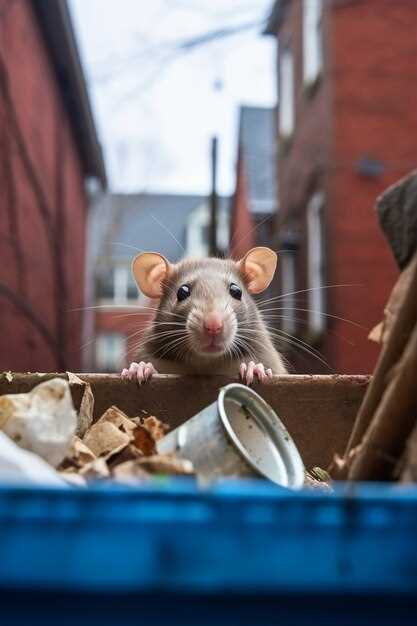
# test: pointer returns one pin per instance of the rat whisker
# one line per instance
(104, 306)
(167, 231)
(138, 308)
(303, 322)
(171, 346)
(240, 339)
(337, 317)
(287, 338)
(302, 347)
(161, 335)
(126, 245)
(293, 293)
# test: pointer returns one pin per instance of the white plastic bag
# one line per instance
(20, 466)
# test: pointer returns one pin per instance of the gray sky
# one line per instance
(156, 109)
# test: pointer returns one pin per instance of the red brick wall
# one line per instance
(365, 104)
(40, 171)
(242, 234)
(374, 65)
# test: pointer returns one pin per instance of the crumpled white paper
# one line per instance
(43, 420)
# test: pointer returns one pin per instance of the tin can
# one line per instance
(238, 435)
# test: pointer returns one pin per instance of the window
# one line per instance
(286, 93)
(316, 302)
(288, 285)
(117, 285)
(198, 230)
(110, 352)
(312, 40)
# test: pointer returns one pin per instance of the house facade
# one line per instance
(346, 128)
(48, 152)
(121, 226)
(254, 204)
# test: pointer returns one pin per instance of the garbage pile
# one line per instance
(59, 446)
(44, 440)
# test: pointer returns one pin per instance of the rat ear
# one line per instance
(150, 269)
(258, 268)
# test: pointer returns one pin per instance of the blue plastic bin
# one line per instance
(241, 553)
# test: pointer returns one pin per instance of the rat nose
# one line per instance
(213, 323)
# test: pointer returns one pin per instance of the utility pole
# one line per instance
(214, 201)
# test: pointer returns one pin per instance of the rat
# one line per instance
(207, 321)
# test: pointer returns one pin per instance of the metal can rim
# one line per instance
(280, 435)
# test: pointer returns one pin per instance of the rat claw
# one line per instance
(148, 371)
(141, 372)
(130, 372)
(259, 371)
(248, 371)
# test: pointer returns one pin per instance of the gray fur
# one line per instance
(209, 280)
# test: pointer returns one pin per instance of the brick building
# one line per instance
(48, 150)
(121, 226)
(255, 198)
(347, 124)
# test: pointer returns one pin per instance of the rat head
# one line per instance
(203, 303)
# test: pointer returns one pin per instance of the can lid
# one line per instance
(259, 435)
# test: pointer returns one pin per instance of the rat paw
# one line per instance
(139, 371)
(248, 371)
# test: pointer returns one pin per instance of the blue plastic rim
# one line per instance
(239, 537)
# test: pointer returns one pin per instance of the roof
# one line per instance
(258, 149)
(56, 25)
(126, 224)
(275, 17)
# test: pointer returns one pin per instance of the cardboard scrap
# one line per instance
(130, 472)
(105, 439)
(154, 426)
(85, 413)
(94, 470)
(166, 464)
(78, 455)
(120, 420)
(129, 453)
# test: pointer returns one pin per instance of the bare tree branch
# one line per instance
(28, 312)
(10, 198)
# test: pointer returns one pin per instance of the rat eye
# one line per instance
(235, 291)
(183, 292)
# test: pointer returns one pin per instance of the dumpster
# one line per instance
(237, 552)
